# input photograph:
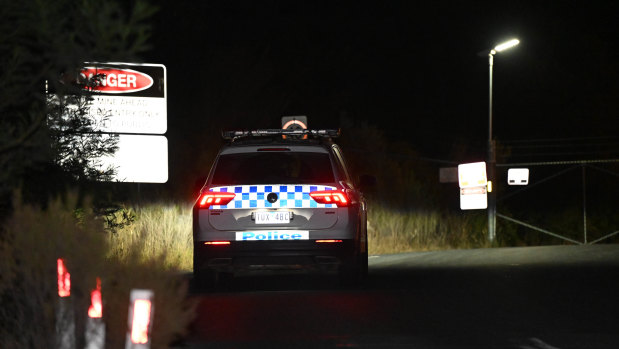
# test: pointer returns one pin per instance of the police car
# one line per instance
(279, 199)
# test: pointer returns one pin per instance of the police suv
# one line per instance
(279, 199)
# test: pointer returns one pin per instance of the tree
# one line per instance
(43, 147)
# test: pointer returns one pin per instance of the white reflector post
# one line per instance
(141, 311)
(64, 279)
(518, 176)
(95, 327)
(65, 320)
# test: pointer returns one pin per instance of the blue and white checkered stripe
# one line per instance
(255, 196)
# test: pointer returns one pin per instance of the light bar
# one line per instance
(506, 45)
(328, 241)
(233, 135)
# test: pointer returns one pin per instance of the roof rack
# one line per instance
(234, 135)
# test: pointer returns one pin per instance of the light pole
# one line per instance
(491, 145)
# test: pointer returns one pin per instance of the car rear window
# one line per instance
(273, 168)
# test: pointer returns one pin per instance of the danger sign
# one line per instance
(127, 98)
(110, 80)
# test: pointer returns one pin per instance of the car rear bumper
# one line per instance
(271, 255)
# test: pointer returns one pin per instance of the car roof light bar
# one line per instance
(323, 133)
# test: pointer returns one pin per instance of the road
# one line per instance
(528, 297)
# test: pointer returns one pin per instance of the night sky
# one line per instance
(412, 69)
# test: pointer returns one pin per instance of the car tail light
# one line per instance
(217, 243)
(328, 241)
(215, 198)
(330, 197)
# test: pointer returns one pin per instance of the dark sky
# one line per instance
(411, 68)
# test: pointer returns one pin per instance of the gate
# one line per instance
(597, 188)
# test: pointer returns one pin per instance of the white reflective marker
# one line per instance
(140, 319)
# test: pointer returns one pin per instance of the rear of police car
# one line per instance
(274, 203)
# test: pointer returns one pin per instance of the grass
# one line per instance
(143, 256)
(392, 231)
(162, 229)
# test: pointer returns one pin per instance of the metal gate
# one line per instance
(588, 168)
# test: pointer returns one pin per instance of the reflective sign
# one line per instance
(139, 159)
(472, 175)
(473, 198)
(518, 176)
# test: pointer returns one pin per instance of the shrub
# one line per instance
(31, 241)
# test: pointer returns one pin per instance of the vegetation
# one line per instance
(47, 144)
(160, 230)
(45, 147)
(34, 239)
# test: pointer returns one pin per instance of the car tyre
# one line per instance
(350, 271)
(205, 278)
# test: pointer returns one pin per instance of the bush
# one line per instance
(393, 231)
(33, 238)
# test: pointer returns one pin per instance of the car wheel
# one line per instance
(205, 278)
(364, 263)
(350, 271)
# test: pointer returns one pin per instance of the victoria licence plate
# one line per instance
(272, 217)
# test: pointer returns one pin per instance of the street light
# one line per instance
(491, 145)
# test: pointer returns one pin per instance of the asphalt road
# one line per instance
(533, 297)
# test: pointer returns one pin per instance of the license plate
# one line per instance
(272, 217)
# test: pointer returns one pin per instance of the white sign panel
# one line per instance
(472, 175)
(518, 176)
(127, 98)
(139, 159)
(473, 198)
(117, 114)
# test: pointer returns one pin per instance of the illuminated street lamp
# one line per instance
(491, 145)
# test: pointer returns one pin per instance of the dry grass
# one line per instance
(160, 230)
(390, 231)
(31, 241)
(165, 230)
